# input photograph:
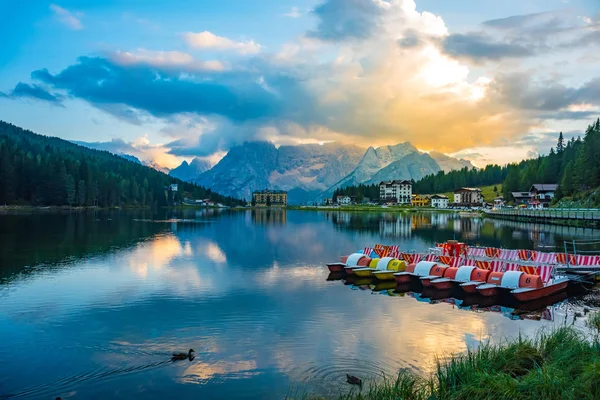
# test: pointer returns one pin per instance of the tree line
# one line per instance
(48, 171)
(573, 164)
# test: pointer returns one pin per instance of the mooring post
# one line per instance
(566, 254)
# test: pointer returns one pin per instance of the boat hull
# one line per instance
(336, 267)
(403, 279)
(444, 285)
(489, 291)
(426, 282)
(471, 288)
(536, 294)
(363, 272)
(350, 270)
(384, 275)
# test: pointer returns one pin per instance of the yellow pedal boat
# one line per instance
(386, 267)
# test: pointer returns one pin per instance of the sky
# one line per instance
(167, 81)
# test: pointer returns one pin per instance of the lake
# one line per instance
(93, 304)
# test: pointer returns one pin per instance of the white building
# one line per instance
(343, 200)
(468, 196)
(398, 191)
(173, 187)
(439, 201)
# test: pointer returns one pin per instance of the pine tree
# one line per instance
(560, 146)
(566, 183)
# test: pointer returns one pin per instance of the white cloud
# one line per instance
(166, 59)
(293, 13)
(208, 40)
(66, 17)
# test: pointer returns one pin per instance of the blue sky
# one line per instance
(172, 80)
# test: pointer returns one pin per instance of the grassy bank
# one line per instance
(486, 191)
(562, 364)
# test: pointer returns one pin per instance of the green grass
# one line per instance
(562, 364)
(486, 191)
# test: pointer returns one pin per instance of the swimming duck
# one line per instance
(353, 380)
(184, 356)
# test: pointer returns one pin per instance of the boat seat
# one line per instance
(363, 269)
(341, 264)
(429, 277)
(385, 271)
(442, 280)
(403, 273)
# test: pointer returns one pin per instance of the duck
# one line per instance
(184, 356)
(353, 380)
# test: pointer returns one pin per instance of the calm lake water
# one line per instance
(93, 304)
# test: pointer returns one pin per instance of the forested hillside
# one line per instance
(574, 165)
(41, 170)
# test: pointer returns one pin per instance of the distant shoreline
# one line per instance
(371, 208)
(10, 209)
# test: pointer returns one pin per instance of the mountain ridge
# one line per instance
(312, 171)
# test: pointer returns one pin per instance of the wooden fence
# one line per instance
(548, 214)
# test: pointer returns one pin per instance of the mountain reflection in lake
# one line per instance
(93, 304)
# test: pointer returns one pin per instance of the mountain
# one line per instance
(130, 158)
(448, 163)
(311, 171)
(303, 170)
(313, 166)
(154, 165)
(188, 172)
(42, 170)
(244, 169)
(412, 166)
(372, 162)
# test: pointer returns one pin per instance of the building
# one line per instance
(521, 198)
(468, 197)
(173, 187)
(542, 194)
(328, 201)
(420, 201)
(439, 201)
(396, 191)
(499, 202)
(270, 198)
(343, 200)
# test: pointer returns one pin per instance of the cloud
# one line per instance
(519, 21)
(66, 17)
(208, 40)
(162, 93)
(166, 59)
(523, 36)
(140, 148)
(478, 46)
(346, 19)
(34, 92)
(293, 13)
(387, 82)
(520, 90)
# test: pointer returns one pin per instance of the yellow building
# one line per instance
(270, 198)
(420, 201)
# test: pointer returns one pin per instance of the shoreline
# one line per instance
(561, 363)
(9, 209)
(371, 208)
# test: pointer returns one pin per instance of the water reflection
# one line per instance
(247, 290)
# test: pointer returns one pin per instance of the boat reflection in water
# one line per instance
(533, 310)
